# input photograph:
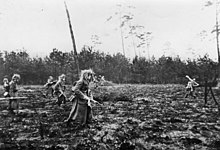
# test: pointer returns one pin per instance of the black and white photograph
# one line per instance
(109, 75)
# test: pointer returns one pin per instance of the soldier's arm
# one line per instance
(195, 83)
(189, 78)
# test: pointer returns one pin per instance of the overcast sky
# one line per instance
(179, 27)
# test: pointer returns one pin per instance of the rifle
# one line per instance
(192, 80)
(12, 98)
(72, 97)
(50, 83)
(62, 93)
(94, 101)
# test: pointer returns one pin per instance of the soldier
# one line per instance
(81, 108)
(48, 86)
(6, 87)
(102, 80)
(13, 89)
(96, 81)
(13, 85)
(190, 88)
(59, 89)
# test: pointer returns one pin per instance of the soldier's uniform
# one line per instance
(6, 87)
(59, 89)
(81, 111)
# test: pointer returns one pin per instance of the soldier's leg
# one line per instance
(192, 94)
(187, 94)
(59, 100)
(45, 94)
(9, 104)
(213, 96)
(63, 99)
(52, 92)
(16, 101)
(13, 94)
(47, 91)
(85, 117)
(72, 112)
(88, 117)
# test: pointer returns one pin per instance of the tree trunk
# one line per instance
(217, 33)
(73, 40)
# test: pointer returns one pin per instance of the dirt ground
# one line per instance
(131, 117)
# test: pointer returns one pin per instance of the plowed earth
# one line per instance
(131, 117)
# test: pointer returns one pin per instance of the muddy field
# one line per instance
(131, 117)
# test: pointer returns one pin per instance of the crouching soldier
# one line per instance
(59, 89)
(81, 108)
(48, 86)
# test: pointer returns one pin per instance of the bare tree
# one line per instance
(216, 29)
(128, 29)
(73, 40)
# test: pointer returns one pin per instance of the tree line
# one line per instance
(116, 68)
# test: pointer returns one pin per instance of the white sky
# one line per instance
(38, 26)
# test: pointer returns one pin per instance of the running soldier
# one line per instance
(59, 89)
(190, 88)
(49, 86)
(81, 109)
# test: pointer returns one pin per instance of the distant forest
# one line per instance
(116, 68)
